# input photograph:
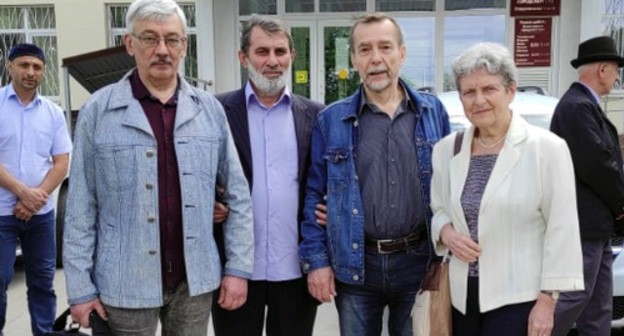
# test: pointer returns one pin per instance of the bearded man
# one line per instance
(272, 130)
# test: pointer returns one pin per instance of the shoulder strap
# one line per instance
(458, 142)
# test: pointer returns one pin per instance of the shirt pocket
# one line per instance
(337, 161)
(205, 154)
(116, 167)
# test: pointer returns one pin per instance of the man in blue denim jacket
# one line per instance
(150, 152)
(371, 165)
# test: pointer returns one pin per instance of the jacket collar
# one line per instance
(121, 95)
(507, 158)
(355, 101)
(121, 98)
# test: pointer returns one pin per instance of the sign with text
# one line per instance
(532, 45)
(535, 7)
(342, 56)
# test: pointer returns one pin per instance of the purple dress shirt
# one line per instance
(275, 190)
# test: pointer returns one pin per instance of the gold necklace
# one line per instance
(492, 145)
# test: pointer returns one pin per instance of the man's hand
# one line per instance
(21, 212)
(321, 284)
(321, 214)
(80, 312)
(33, 198)
(221, 213)
(221, 210)
(233, 292)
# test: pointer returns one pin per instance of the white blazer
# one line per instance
(528, 222)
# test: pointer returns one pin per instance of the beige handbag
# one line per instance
(431, 314)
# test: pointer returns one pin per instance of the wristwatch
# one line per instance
(553, 294)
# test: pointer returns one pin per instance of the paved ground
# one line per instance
(18, 322)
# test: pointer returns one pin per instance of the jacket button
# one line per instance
(355, 211)
(151, 219)
(355, 246)
(149, 186)
(306, 266)
(356, 278)
(149, 153)
(152, 252)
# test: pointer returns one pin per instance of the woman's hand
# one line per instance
(541, 318)
(461, 246)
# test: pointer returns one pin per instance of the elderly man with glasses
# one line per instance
(149, 153)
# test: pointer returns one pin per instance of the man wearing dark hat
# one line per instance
(34, 154)
(594, 145)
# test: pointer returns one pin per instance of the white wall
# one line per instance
(568, 41)
(227, 74)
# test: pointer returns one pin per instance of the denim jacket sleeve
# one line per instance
(313, 247)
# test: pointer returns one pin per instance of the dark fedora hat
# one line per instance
(597, 49)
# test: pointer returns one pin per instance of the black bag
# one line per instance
(99, 327)
(62, 328)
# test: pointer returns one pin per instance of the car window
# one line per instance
(535, 108)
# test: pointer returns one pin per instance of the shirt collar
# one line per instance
(407, 101)
(13, 95)
(596, 97)
(140, 91)
(250, 96)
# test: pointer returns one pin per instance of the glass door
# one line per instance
(303, 76)
(338, 78)
(322, 68)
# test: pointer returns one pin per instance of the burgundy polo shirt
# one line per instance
(162, 119)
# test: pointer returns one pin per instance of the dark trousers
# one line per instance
(510, 320)
(39, 254)
(591, 308)
(290, 311)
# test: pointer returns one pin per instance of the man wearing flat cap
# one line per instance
(34, 154)
(595, 149)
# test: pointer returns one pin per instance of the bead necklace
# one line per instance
(492, 145)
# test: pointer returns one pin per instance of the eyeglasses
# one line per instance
(150, 41)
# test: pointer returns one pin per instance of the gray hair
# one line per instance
(159, 10)
(493, 57)
(268, 25)
(374, 18)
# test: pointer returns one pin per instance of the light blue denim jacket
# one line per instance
(332, 173)
(111, 241)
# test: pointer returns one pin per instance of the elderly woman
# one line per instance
(504, 207)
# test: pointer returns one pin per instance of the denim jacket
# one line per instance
(333, 180)
(111, 241)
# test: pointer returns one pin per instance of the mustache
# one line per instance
(162, 61)
(376, 70)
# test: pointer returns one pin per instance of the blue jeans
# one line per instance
(392, 281)
(39, 255)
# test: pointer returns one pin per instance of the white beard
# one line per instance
(268, 86)
(381, 85)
